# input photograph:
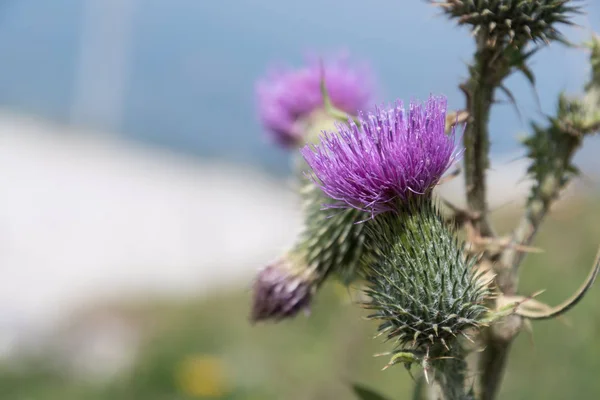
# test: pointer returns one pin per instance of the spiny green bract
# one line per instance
(551, 148)
(421, 287)
(332, 240)
(507, 19)
(594, 46)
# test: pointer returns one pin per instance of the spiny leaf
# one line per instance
(512, 99)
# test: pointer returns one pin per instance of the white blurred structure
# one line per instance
(83, 217)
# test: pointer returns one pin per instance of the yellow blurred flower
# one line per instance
(202, 376)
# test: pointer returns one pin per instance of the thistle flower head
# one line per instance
(287, 97)
(281, 291)
(388, 158)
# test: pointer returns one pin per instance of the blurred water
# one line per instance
(188, 67)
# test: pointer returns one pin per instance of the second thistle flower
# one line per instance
(290, 99)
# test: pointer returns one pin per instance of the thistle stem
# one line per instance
(476, 145)
(479, 93)
(492, 363)
(486, 74)
(537, 208)
(452, 377)
(420, 391)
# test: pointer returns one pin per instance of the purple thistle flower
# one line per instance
(285, 97)
(389, 158)
(280, 292)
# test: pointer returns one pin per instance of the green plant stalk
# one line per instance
(492, 361)
(451, 375)
(537, 208)
(421, 391)
(493, 62)
(476, 143)
(486, 74)
(552, 150)
(550, 180)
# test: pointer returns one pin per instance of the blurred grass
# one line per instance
(205, 348)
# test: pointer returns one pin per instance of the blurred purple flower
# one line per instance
(287, 96)
(280, 293)
(389, 158)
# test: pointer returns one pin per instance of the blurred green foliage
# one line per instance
(206, 348)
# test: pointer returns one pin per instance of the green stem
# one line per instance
(486, 75)
(476, 145)
(421, 390)
(479, 93)
(544, 194)
(452, 378)
(492, 362)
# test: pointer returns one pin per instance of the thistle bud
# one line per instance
(505, 20)
(422, 288)
(281, 290)
(332, 241)
(328, 244)
(579, 115)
